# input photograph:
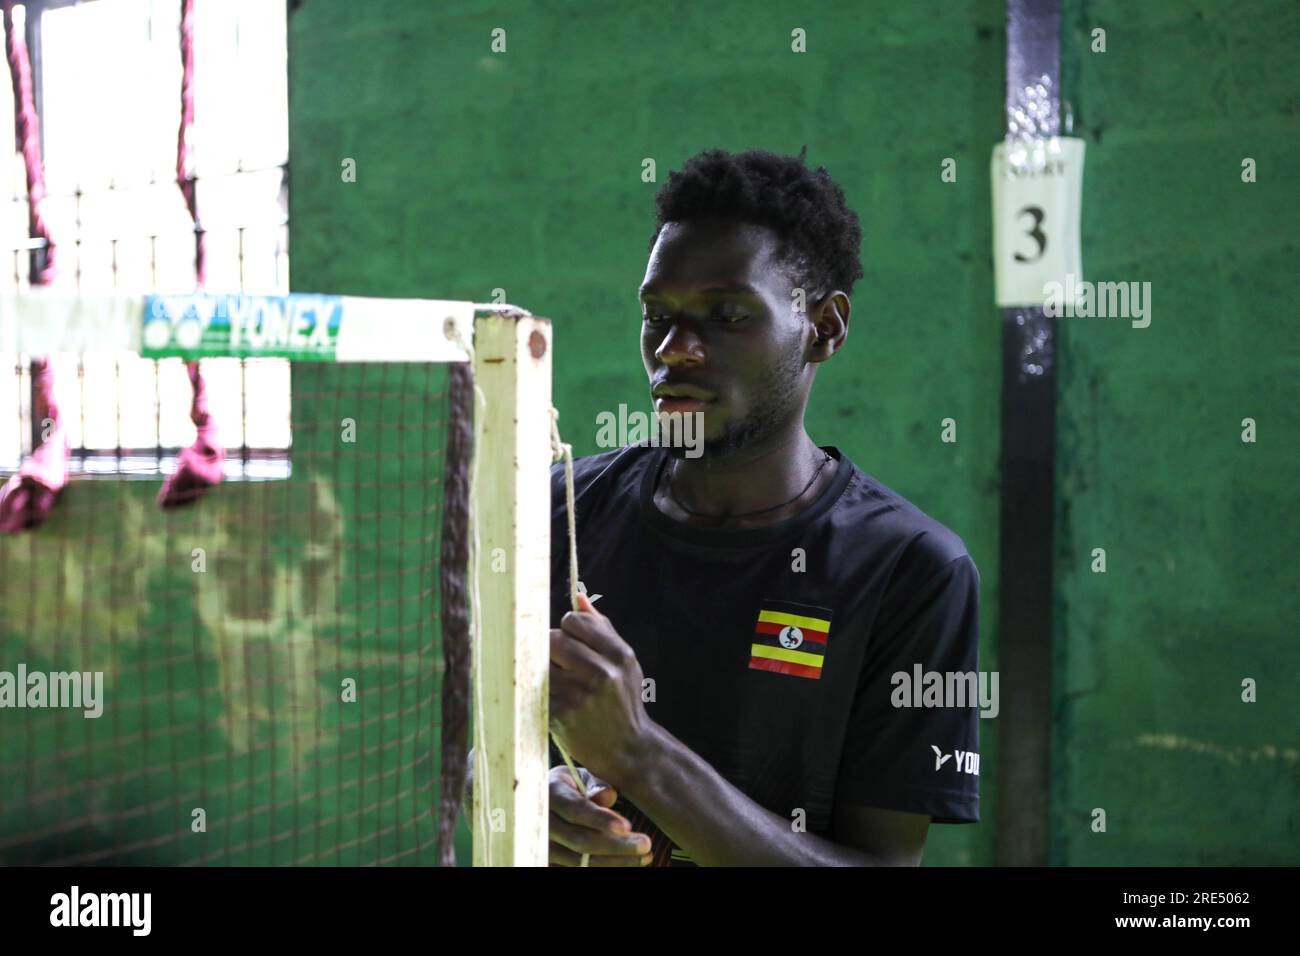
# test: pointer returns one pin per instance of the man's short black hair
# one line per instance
(820, 237)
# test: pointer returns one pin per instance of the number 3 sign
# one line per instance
(1037, 194)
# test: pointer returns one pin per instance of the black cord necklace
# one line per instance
(747, 514)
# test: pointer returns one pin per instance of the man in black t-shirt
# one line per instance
(741, 682)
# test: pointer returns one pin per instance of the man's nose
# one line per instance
(681, 346)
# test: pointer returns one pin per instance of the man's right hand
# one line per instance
(586, 824)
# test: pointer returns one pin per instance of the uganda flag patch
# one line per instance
(790, 639)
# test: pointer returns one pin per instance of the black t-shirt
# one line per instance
(772, 650)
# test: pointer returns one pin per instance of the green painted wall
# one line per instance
(1199, 528)
(522, 171)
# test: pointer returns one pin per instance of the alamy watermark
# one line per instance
(1101, 300)
(660, 429)
(75, 908)
(79, 689)
(946, 689)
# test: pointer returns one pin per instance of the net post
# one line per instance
(512, 512)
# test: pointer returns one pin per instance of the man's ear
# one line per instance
(830, 319)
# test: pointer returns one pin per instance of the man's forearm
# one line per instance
(712, 820)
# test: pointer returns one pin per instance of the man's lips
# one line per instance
(681, 389)
(671, 396)
(671, 403)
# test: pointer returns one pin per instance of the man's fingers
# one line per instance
(563, 856)
(572, 808)
(573, 655)
(597, 842)
(594, 630)
(568, 690)
(597, 790)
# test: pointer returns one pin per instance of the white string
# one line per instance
(561, 450)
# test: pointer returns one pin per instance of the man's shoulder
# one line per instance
(923, 545)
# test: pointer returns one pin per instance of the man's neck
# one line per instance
(724, 492)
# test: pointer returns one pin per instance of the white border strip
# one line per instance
(40, 322)
(404, 330)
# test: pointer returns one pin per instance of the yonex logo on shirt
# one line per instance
(966, 761)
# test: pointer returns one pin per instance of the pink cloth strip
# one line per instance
(202, 464)
(28, 497)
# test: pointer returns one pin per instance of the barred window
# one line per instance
(107, 88)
